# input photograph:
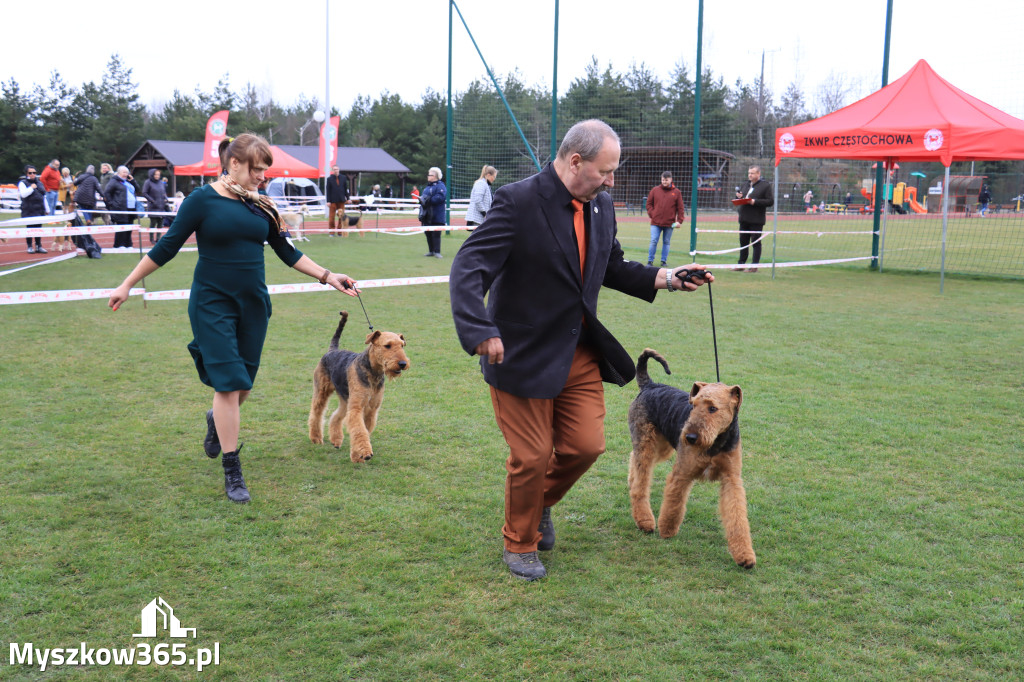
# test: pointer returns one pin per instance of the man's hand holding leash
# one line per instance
(685, 278)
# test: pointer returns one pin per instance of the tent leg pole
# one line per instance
(775, 217)
(945, 222)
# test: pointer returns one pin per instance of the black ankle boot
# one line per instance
(234, 484)
(211, 444)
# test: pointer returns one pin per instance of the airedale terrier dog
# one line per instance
(358, 379)
(348, 222)
(702, 429)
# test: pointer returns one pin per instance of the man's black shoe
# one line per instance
(526, 565)
(547, 532)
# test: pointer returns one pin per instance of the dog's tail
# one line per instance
(642, 377)
(341, 326)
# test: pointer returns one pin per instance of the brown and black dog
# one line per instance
(702, 429)
(358, 378)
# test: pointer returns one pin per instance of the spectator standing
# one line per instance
(808, 198)
(480, 198)
(415, 194)
(432, 201)
(155, 192)
(541, 258)
(229, 306)
(337, 195)
(758, 193)
(119, 195)
(33, 203)
(106, 175)
(50, 178)
(87, 187)
(666, 210)
(984, 196)
(66, 197)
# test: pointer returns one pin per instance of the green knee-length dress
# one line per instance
(229, 306)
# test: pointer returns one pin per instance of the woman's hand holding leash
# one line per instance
(342, 283)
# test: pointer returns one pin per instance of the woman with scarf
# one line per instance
(229, 305)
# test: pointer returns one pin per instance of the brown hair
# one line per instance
(248, 148)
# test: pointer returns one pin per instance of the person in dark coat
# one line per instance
(155, 192)
(33, 203)
(337, 195)
(545, 249)
(758, 193)
(119, 196)
(432, 199)
(87, 187)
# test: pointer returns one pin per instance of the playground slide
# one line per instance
(871, 199)
(910, 194)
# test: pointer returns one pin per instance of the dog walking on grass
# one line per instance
(358, 378)
(702, 429)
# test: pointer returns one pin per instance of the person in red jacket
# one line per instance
(666, 210)
(50, 178)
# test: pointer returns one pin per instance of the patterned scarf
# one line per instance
(255, 199)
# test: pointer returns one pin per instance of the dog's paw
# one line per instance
(361, 457)
(646, 524)
(318, 440)
(745, 560)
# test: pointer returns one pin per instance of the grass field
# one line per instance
(882, 436)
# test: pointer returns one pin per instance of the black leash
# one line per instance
(349, 286)
(364, 310)
(688, 276)
(714, 336)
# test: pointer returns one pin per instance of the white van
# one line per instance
(292, 193)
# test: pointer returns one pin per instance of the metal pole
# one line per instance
(695, 156)
(885, 220)
(878, 171)
(448, 131)
(945, 222)
(327, 88)
(554, 93)
(775, 221)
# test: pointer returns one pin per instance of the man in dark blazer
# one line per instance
(758, 192)
(542, 349)
(337, 195)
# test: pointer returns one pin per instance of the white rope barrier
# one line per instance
(63, 295)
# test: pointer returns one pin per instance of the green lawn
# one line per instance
(883, 463)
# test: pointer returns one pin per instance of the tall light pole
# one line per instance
(324, 172)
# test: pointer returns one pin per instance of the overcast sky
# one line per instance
(401, 46)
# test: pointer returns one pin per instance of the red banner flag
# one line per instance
(329, 145)
(216, 130)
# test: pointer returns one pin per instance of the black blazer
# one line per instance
(763, 198)
(524, 258)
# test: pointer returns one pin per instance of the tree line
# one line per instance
(106, 122)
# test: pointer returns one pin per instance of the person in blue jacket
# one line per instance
(432, 201)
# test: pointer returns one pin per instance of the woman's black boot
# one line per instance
(211, 444)
(234, 484)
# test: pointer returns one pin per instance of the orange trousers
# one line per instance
(552, 442)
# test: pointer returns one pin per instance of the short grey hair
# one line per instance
(586, 139)
(436, 171)
(122, 168)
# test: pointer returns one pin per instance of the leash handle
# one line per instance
(714, 335)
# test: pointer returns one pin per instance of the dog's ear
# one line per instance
(402, 336)
(372, 336)
(697, 385)
(737, 394)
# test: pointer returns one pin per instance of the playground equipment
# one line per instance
(897, 195)
(910, 194)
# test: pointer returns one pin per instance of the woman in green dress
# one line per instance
(229, 306)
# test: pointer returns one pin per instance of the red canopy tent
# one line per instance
(920, 117)
(285, 165)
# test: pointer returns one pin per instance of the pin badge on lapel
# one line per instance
(595, 209)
